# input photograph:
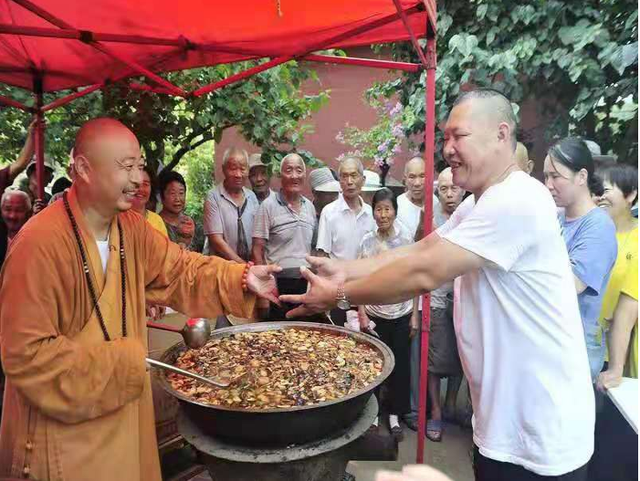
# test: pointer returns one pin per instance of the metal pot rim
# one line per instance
(170, 355)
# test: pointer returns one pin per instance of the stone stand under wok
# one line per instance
(320, 460)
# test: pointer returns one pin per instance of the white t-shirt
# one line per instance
(519, 331)
(409, 216)
(409, 213)
(341, 230)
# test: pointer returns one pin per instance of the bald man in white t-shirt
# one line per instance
(516, 316)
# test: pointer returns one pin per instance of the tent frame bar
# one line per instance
(40, 12)
(84, 35)
(9, 102)
(363, 62)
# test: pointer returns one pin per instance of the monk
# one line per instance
(73, 337)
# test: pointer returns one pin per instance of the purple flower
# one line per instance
(382, 147)
(396, 109)
(397, 130)
(341, 157)
(340, 137)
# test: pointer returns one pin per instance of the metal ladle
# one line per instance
(177, 370)
(196, 332)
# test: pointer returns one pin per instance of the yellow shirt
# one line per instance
(156, 221)
(624, 279)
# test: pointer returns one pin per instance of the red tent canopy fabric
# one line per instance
(198, 33)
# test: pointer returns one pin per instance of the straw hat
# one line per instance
(371, 181)
(321, 180)
(48, 164)
(596, 153)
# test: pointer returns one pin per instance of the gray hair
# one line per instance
(8, 193)
(501, 106)
(289, 158)
(358, 162)
(232, 152)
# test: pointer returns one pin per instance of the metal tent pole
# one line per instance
(429, 154)
(39, 137)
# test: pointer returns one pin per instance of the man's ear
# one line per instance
(82, 167)
(504, 132)
(530, 165)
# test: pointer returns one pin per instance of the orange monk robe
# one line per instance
(77, 407)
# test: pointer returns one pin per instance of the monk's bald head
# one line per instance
(108, 165)
(103, 138)
(491, 108)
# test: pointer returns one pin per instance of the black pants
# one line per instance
(486, 469)
(395, 334)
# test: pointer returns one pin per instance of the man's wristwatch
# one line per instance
(342, 301)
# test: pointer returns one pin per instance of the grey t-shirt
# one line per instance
(221, 216)
(288, 234)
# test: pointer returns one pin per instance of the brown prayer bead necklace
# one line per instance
(87, 274)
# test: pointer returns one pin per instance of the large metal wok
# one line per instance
(279, 427)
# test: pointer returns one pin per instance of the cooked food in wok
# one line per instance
(278, 369)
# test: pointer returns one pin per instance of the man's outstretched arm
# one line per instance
(340, 271)
(432, 264)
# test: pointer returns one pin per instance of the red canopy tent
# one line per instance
(53, 45)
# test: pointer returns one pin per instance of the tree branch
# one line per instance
(175, 160)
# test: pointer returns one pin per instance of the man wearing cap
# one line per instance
(324, 187)
(259, 178)
(32, 185)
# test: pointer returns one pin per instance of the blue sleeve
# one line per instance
(594, 252)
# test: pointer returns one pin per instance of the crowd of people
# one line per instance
(512, 268)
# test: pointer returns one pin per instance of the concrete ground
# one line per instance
(452, 456)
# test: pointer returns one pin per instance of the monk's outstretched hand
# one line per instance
(262, 283)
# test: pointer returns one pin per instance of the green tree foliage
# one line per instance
(268, 109)
(578, 59)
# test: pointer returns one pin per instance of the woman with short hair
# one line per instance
(391, 321)
(620, 303)
(181, 228)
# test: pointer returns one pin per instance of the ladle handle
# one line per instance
(177, 370)
(164, 327)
